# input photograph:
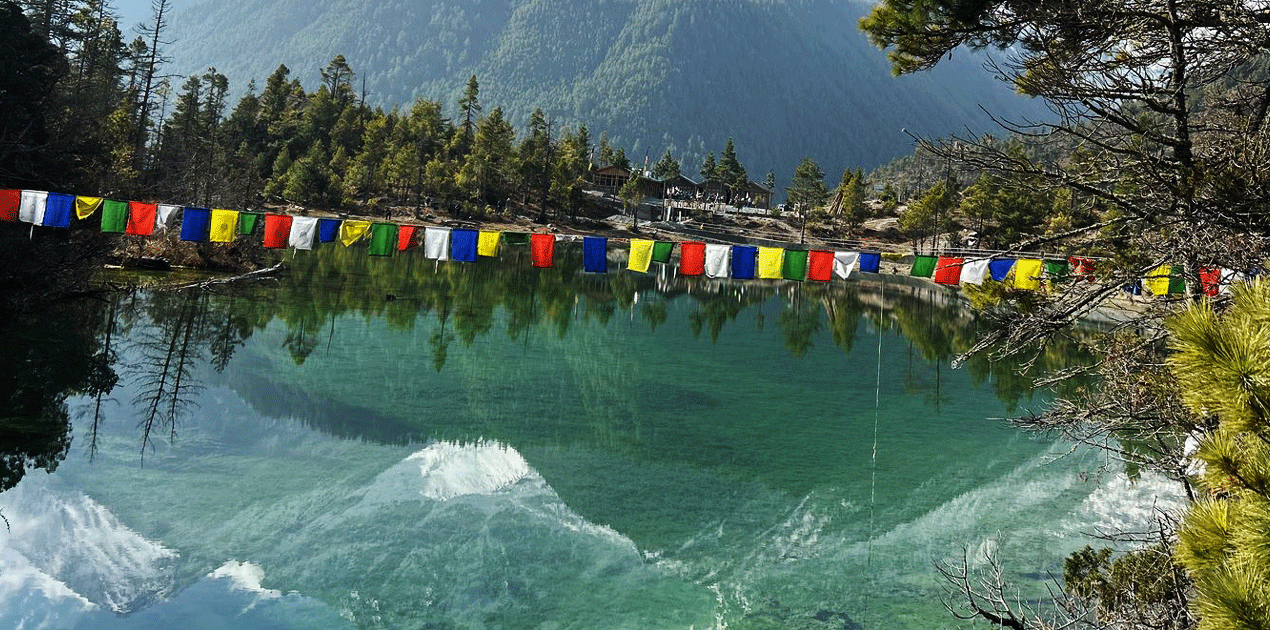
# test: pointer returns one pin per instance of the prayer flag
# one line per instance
(1210, 281)
(662, 251)
(246, 222)
(10, 201)
(820, 265)
(353, 231)
(406, 237)
(769, 262)
(224, 226)
(1177, 281)
(163, 216)
(114, 216)
(692, 258)
(870, 262)
(999, 268)
(303, 231)
(923, 266)
(595, 258)
(948, 270)
(1056, 271)
(141, 218)
(58, 208)
(794, 266)
(516, 238)
(1027, 273)
(86, 206)
(1157, 282)
(641, 255)
(436, 243)
(543, 248)
(328, 230)
(1133, 289)
(277, 230)
(487, 243)
(846, 262)
(383, 239)
(463, 245)
(195, 224)
(744, 258)
(31, 206)
(717, 260)
(974, 271)
(1083, 267)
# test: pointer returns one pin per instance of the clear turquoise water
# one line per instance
(590, 452)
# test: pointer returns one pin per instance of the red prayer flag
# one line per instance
(948, 270)
(692, 258)
(1210, 280)
(10, 201)
(406, 237)
(141, 218)
(544, 249)
(820, 265)
(277, 230)
(1082, 267)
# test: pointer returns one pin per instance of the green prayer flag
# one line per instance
(114, 215)
(795, 265)
(383, 239)
(923, 266)
(516, 238)
(1177, 283)
(662, 251)
(1057, 271)
(247, 222)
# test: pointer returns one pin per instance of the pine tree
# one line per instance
(666, 167)
(709, 169)
(470, 106)
(730, 171)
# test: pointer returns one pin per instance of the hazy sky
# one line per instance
(131, 12)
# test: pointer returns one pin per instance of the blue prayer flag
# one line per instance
(595, 254)
(870, 261)
(463, 245)
(196, 224)
(328, 230)
(744, 258)
(999, 268)
(58, 209)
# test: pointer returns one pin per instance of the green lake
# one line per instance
(401, 443)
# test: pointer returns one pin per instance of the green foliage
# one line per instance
(807, 187)
(666, 167)
(1142, 588)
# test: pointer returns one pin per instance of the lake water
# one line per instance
(400, 443)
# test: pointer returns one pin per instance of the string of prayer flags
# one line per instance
(141, 218)
(844, 263)
(769, 262)
(114, 216)
(692, 258)
(196, 222)
(487, 243)
(948, 270)
(870, 262)
(163, 216)
(543, 249)
(516, 238)
(353, 231)
(975, 271)
(595, 254)
(31, 207)
(436, 243)
(1027, 273)
(923, 266)
(303, 231)
(277, 231)
(717, 258)
(86, 206)
(1157, 282)
(794, 266)
(10, 201)
(641, 255)
(662, 251)
(820, 265)
(328, 230)
(383, 239)
(1082, 267)
(1000, 268)
(225, 225)
(463, 245)
(58, 208)
(406, 237)
(744, 259)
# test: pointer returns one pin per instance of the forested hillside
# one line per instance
(786, 79)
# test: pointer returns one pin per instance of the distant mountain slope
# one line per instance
(784, 78)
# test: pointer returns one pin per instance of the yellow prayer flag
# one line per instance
(1027, 273)
(86, 206)
(1157, 282)
(641, 255)
(353, 231)
(487, 243)
(224, 226)
(769, 262)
